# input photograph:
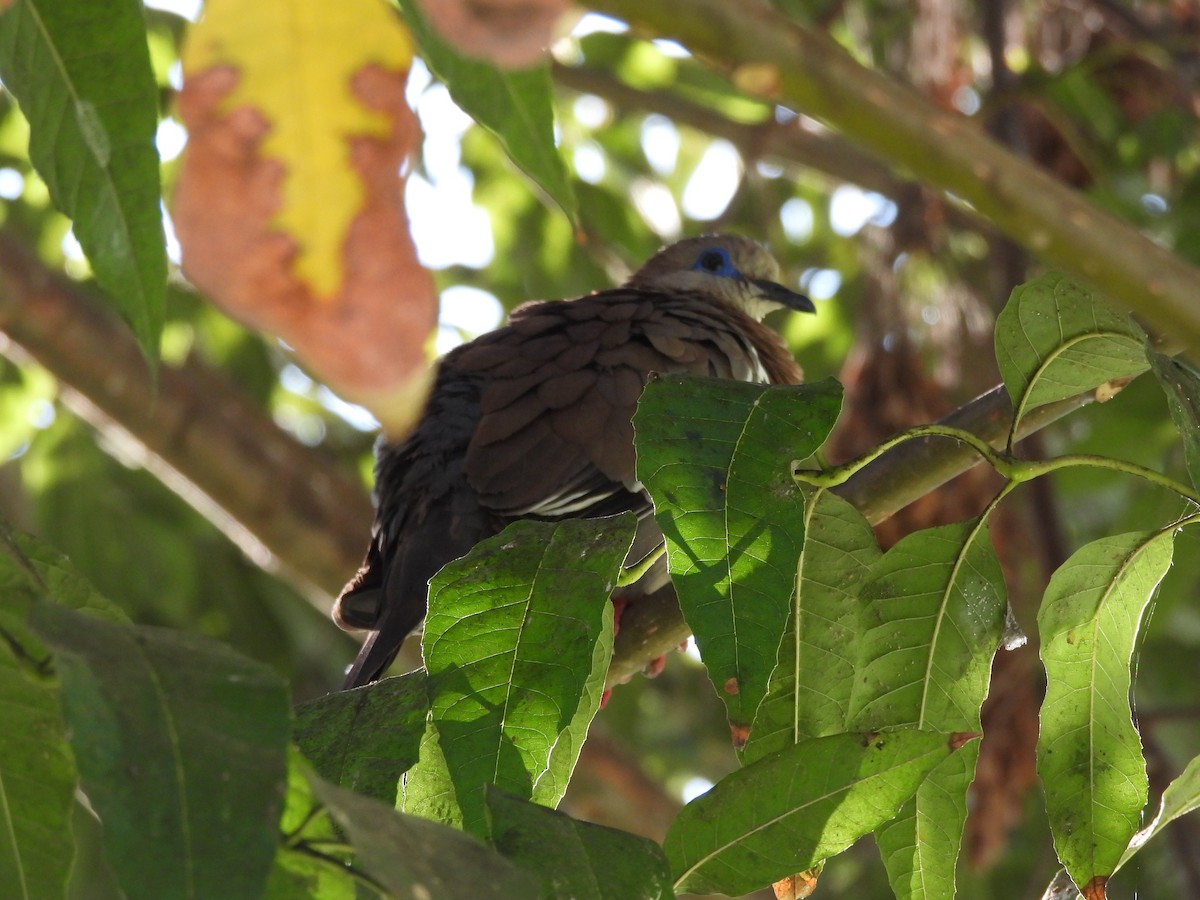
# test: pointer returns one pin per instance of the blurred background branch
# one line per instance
(772, 56)
(288, 506)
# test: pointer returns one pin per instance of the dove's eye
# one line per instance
(715, 262)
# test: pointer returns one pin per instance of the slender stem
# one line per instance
(1015, 470)
(840, 474)
(634, 572)
(1026, 470)
(1185, 521)
(296, 835)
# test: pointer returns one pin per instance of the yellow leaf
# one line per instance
(295, 61)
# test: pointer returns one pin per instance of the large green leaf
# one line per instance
(81, 72)
(716, 456)
(934, 613)
(796, 807)
(1089, 753)
(37, 773)
(934, 608)
(517, 644)
(37, 770)
(1056, 338)
(37, 783)
(516, 106)
(414, 858)
(366, 739)
(809, 691)
(577, 860)
(1181, 381)
(180, 744)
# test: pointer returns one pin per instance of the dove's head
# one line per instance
(731, 268)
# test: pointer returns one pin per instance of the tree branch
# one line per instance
(287, 505)
(823, 152)
(806, 71)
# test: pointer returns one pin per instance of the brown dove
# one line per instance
(533, 421)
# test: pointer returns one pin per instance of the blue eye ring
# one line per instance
(715, 261)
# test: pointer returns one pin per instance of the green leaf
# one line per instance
(515, 673)
(576, 859)
(1181, 797)
(1089, 753)
(515, 106)
(428, 789)
(180, 744)
(36, 571)
(1055, 339)
(37, 771)
(809, 691)
(411, 857)
(794, 808)
(81, 72)
(716, 456)
(920, 846)
(297, 874)
(1181, 382)
(934, 614)
(37, 780)
(934, 608)
(366, 739)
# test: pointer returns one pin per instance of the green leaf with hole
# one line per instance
(809, 691)
(716, 456)
(1056, 338)
(1089, 754)
(792, 809)
(180, 744)
(1181, 382)
(517, 106)
(428, 788)
(81, 72)
(576, 860)
(517, 644)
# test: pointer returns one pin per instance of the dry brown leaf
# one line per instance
(367, 340)
(797, 887)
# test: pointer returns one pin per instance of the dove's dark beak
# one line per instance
(777, 293)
